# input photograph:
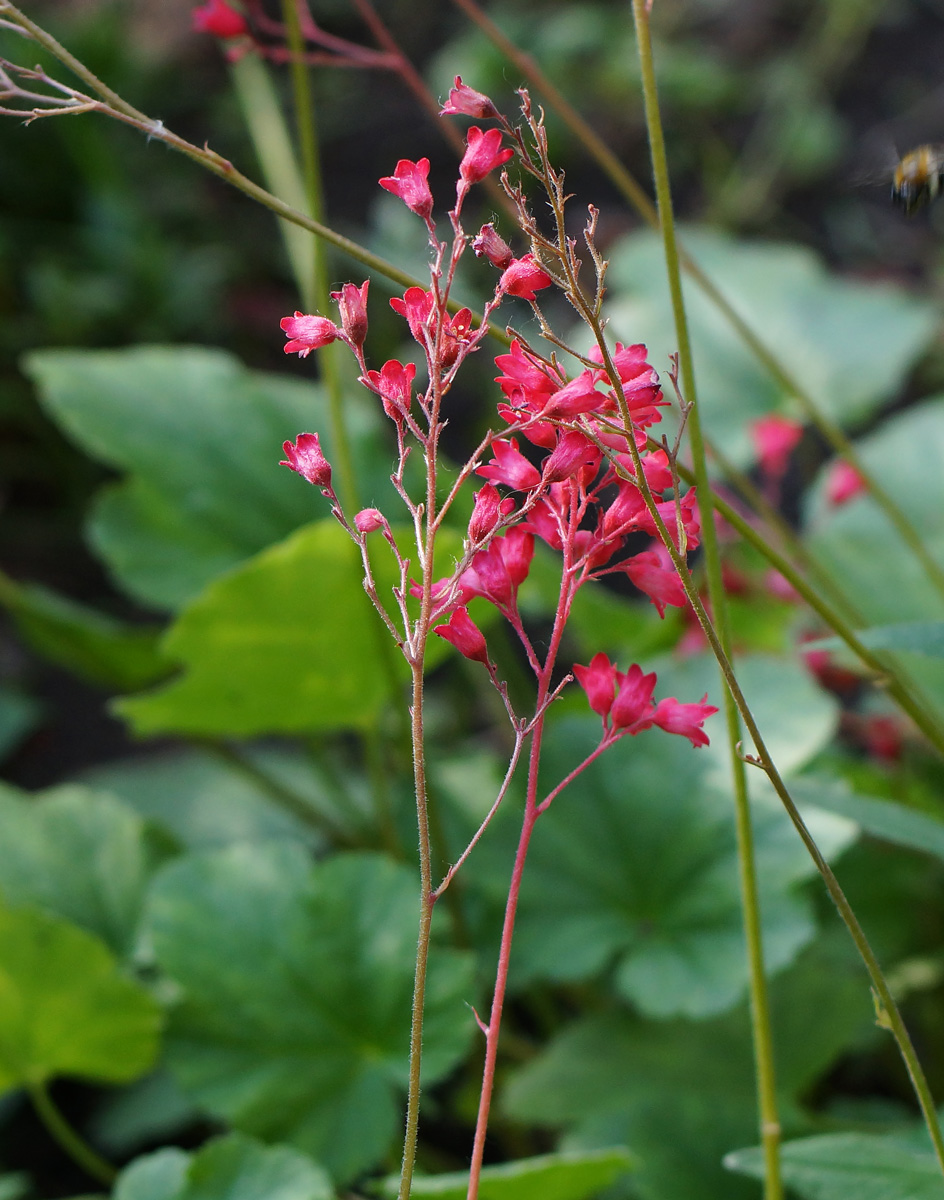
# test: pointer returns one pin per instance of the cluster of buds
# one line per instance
(574, 467)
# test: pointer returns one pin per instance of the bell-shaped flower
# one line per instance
(654, 573)
(632, 709)
(304, 456)
(509, 466)
(465, 635)
(775, 438)
(843, 482)
(523, 277)
(483, 153)
(598, 680)
(684, 719)
(219, 19)
(488, 511)
(489, 244)
(394, 384)
(467, 102)
(409, 182)
(307, 333)
(352, 305)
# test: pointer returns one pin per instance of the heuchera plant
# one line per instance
(571, 464)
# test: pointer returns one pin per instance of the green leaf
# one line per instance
(286, 643)
(199, 438)
(205, 801)
(850, 344)
(921, 637)
(798, 718)
(843, 1165)
(890, 587)
(79, 855)
(88, 643)
(634, 868)
(881, 819)
(228, 1168)
(680, 1094)
(572, 1175)
(64, 1007)
(296, 983)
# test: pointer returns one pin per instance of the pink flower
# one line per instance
(307, 333)
(843, 483)
(573, 454)
(466, 102)
(599, 682)
(370, 519)
(483, 154)
(409, 183)
(653, 572)
(488, 244)
(394, 384)
(509, 466)
(523, 277)
(216, 17)
(632, 709)
(489, 510)
(417, 306)
(684, 719)
(578, 396)
(352, 304)
(465, 635)
(305, 458)
(774, 440)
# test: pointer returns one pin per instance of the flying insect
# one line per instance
(918, 178)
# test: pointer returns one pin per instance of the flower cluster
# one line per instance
(574, 466)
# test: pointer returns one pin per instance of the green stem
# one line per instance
(59, 1128)
(769, 1121)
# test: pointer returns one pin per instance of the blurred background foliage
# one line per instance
(122, 511)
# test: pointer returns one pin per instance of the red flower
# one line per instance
(684, 719)
(216, 17)
(653, 572)
(483, 154)
(465, 635)
(599, 682)
(409, 183)
(523, 277)
(843, 483)
(774, 440)
(509, 466)
(466, 102)
(307, 333)
(578, 396)
(352, 305)
(305, 458)
(572, 455)
(394, 384)
(632, 709)
(489, 510)
(370, 519)
(417, 306)
(488, 244)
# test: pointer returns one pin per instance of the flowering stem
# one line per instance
(422, 942)
(750, 900)
(587, 137)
